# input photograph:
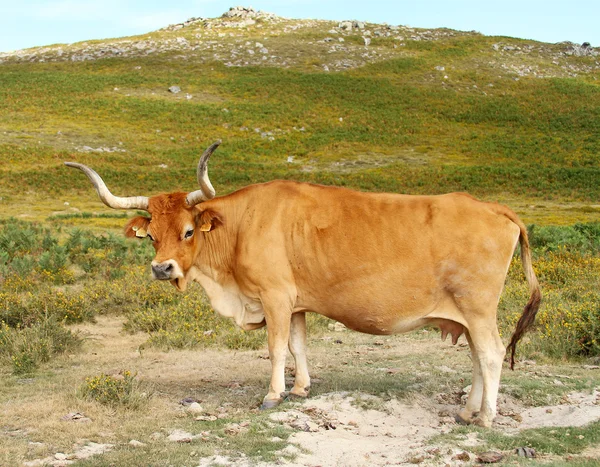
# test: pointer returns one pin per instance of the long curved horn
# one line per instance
(132, 202)
(206, 190)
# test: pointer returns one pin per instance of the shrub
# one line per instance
(568, 322)
(123, 390)
(27, 348)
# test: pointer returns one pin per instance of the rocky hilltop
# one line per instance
(243, 36)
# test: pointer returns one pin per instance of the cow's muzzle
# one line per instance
(167, 270)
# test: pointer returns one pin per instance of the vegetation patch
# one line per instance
(24, 349)
(121, 390)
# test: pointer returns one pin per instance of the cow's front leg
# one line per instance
(278, 313)
(297, 347)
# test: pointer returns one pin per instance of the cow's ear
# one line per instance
(208, 220)
(137, 227)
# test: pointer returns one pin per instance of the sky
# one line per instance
(30, 23)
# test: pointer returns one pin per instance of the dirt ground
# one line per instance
(418, 381)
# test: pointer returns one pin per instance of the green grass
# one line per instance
(546, 441)
(533, 138)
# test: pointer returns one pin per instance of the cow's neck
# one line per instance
(217, 251)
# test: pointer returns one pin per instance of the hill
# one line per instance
(374, 107)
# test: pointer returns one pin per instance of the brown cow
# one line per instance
(379, 263)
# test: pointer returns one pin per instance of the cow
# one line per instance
(379, 263)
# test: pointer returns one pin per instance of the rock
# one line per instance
(367, 41)
(490, 457)
(462, 456)
(76, 417)
(174, 89)
(180, 436)
(91, 449)
(337, 327)
(136, 444)
(194, 407)
(188, 401)
(59, 456)
(311, 427)
(206, 418)
(525, 452)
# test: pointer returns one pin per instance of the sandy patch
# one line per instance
(340, 432)
(582, 409)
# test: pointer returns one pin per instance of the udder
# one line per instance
(448, 326)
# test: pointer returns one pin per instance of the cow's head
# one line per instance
(174, 225)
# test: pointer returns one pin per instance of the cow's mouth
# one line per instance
(180, 283)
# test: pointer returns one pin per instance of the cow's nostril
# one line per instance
(162, 271)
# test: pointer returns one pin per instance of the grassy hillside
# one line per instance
(415, 111)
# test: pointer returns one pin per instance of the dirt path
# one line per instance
(333, 428)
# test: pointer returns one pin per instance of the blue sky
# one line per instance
(29, 23)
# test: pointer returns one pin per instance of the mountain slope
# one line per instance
(374, 107)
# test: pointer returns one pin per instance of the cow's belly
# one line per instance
(375, 325)
(384, 310)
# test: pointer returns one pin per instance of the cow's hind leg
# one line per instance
(488, 354)
(297, 345)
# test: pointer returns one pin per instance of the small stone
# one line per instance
(174, 89)
(462, 456)
(136, 444)
(59, 456)
(180, 436)
(525, 452)
(206, 418)
(187, 401)
(311, 427)
(490, 457)
(194, 407)
(76, 417)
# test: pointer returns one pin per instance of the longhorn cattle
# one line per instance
(378, 263)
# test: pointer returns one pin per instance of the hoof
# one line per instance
(296, 397)
(299, 394)
(465, 417)
(272, 403)
(482, 423)
(461, 421)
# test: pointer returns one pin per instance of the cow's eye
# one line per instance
(189, 233)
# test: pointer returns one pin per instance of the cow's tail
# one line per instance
(535, 295)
